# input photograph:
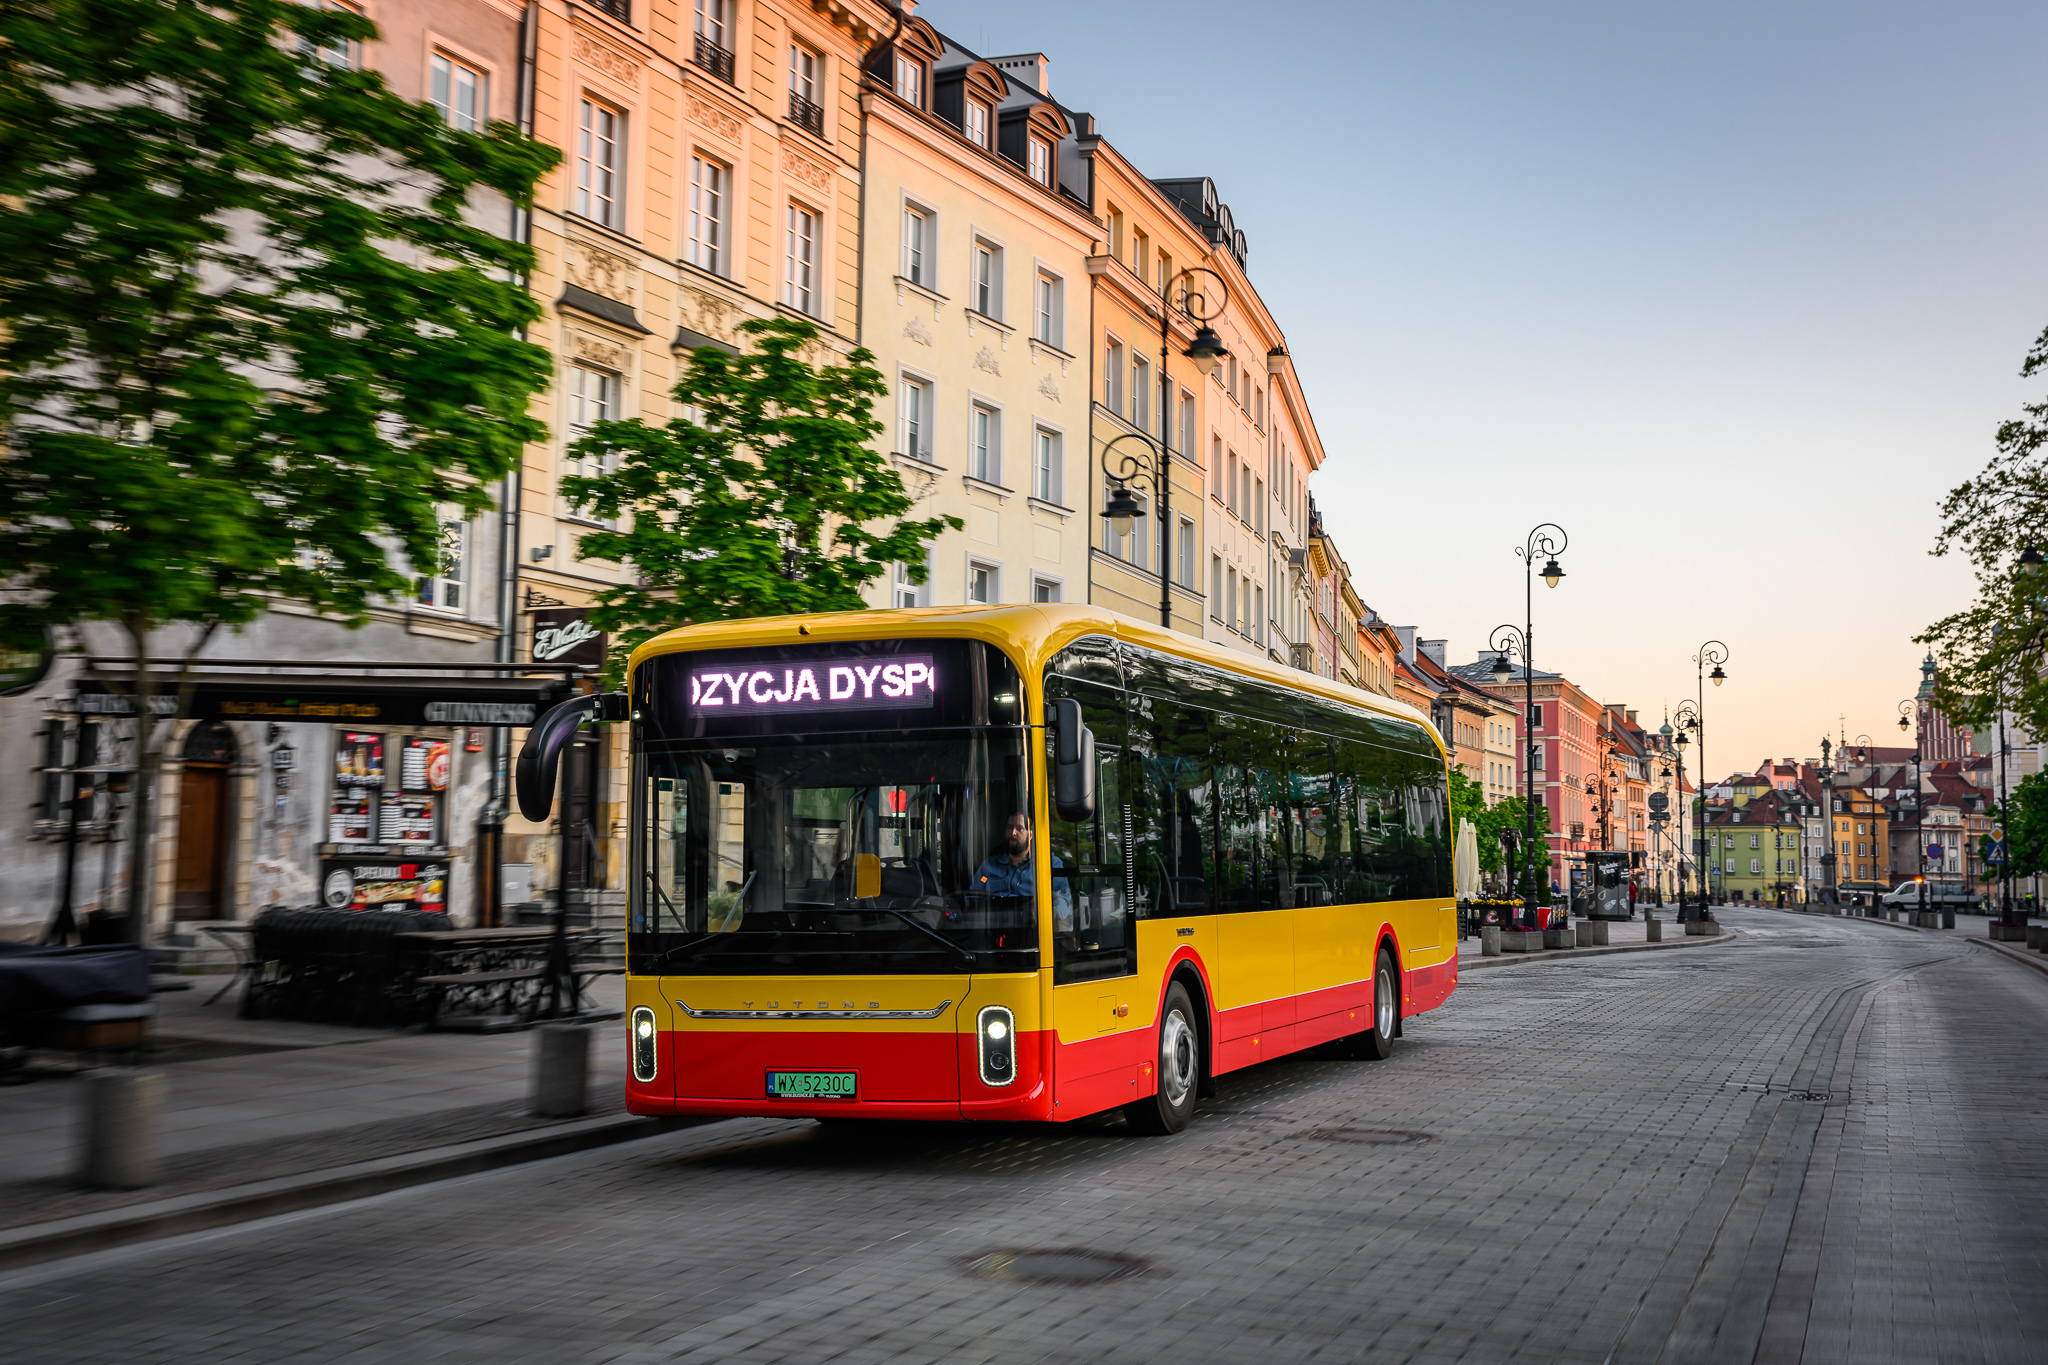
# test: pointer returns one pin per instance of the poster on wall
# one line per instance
(348, 817)
(358, 760)
(423, 767)
(564, 635)
(349, 885)
(407, 819)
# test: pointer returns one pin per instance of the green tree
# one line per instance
(252, 341)
(2024, 815)
(760, 501)
(1507, 816)
(1993, 652)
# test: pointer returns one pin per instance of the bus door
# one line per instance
(1096, 1003)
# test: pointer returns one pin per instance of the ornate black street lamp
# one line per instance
(1155, 468)
(1687, 718)
(1714, 653)
(1827, 802)
(1506, 638)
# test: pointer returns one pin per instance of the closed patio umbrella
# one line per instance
(1465, 862)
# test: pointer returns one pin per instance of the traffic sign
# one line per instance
(1934, 850)
(1996, 853)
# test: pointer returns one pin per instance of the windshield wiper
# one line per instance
(925, 929)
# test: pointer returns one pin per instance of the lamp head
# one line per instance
(1501, 671)
(1552, 572)
(1122, 510)
(1717, 677)
(2030, 561)
(1682, 741)
(1902, 723)
(1206, 350)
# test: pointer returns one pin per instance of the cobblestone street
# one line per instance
(1812, 1143)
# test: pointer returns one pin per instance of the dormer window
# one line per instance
(975, 123)
(909, 79)
(1039, 162)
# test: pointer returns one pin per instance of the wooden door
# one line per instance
(202, 842)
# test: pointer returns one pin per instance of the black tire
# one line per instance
(1168, 1109)
(1376, 1044)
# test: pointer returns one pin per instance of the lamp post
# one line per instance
(1827, 802)
(1687, 717)
(1713, 653)
(1539, 542)
(1908, 719)
(1207, 351)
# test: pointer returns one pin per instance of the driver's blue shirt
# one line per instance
(998, 876)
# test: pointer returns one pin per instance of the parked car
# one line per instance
(1940, 896)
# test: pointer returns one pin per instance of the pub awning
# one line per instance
(333, 698)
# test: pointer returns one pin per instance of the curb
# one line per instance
(2031, 958)
(1726, 935)
(63, 1237)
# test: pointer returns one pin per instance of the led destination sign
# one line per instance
(906, 681)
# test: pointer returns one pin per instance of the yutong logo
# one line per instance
(907, 681)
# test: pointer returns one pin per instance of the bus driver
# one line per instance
(1007, 872)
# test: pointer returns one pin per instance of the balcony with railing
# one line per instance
(715, 59)
(806, 115)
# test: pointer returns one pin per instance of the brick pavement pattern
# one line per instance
(1814, 1144)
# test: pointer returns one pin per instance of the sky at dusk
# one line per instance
(1733, 292)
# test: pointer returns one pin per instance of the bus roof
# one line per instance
(1031, 633)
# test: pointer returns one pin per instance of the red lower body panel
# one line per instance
(901, 1075)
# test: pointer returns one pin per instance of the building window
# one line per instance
(460, 93)
(714, 38)
(800, 261)
(1141, 393)
(1259, 614)
(974, 123)
(443, 587)
(1230, 597)
(708, 181)
(1756, 865)
(917, 420)
(804, 110)
(1216, 587)
(909, 80)
(1038, 162)
(1187, 424)
(984, 444)
(599, 181)
(1048, 477)
(903, 592)
(593, 398)
(341, 52)
(1113, 375)
(988, 279)
(1045, 590)
(1756, 841)
(917, 243)
(1186, 571)
(1046, 321)
(1230, 484)
(982, 585)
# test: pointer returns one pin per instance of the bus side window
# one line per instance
(1172, 807)
(1093, 938)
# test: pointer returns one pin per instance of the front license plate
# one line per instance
(812, 1085)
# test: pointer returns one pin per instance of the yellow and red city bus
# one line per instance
(1021, 862)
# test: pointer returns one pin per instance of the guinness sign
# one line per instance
(564, 635)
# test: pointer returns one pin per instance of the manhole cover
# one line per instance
(1371, 1137)
(1057, 1265)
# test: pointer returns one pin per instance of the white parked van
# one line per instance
(1940, 896)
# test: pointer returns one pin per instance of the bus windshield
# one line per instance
(856, 853)
(852, 809)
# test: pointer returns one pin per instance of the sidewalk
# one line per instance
(255, 1101)
(1623, 936)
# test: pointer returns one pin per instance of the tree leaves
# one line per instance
(761, 501)
(253, 339)
(1992, 652)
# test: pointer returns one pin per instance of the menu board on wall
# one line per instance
(407, 820)
(358, 760)
(423, 766)
(348, 817)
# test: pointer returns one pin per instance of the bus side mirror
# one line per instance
(1073, 768)
(534, 776)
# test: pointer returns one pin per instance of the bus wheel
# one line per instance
(1376, 1044)
(1180, 1070)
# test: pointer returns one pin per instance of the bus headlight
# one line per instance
(643, 1044)
(996, 1034)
